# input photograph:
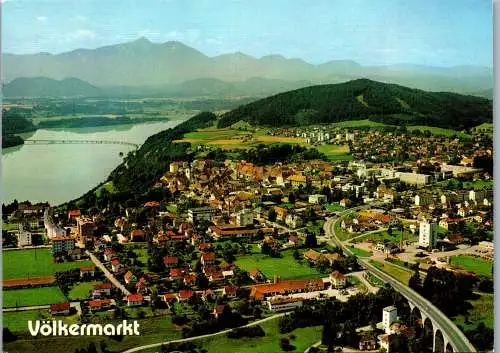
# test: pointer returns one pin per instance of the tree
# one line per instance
(266, 249)
(415, 281)
(296, 254)
(272, 215)
(311, 241)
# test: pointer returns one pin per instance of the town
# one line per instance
(221, 244)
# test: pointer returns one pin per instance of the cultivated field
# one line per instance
(34, 262)
(32, 296)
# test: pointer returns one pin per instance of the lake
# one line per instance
(57, 173)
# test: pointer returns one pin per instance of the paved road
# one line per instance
(458, 340)
(140, 348)
(368, 285)
(25, 308)
(108, 274)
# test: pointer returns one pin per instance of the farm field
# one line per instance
(18, 321)
(286, 267)
(383, 236)
(473, 264)
(400, 274)
(336, 153)
(233, 138)
(34, 262)
(32, 296)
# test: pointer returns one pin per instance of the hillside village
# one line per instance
(223, 242)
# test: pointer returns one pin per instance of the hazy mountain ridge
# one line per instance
(143, 63)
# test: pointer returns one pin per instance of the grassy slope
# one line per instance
(400, 274)
(81, 290)
(482, 311)
(31, 263)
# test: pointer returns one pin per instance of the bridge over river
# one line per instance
(74, 142)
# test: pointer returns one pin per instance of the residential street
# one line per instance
(108, 274)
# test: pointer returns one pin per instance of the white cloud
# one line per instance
(41, 19)
(150, 34)
(189, 36)
(79, 35)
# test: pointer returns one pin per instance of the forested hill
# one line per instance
(361, 99)
(142, 168)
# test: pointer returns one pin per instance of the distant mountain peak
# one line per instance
(274, 57)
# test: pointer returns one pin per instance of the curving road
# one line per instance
(457, 339)
(153, 345)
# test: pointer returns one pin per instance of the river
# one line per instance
(57, 173)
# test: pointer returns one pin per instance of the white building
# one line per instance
(293, 221)
(389, 315)
(279, 303)
(317, 199)
(414, 178)
(428, 234)
(244, 217)
(23, 238)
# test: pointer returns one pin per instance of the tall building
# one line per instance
(389, 315)
(428, 234)
(62, 245)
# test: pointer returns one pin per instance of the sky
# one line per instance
(370, 32)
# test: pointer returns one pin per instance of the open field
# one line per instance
(334, 207)
(304, 337)
(473, 264)
(438, 131)
(400, 274)
(384, 236)
(34, 262)
(335, 153)
(82, 290)
(482, 311)
(17, 322)
(358, 123)
(152, 330)
(360, 252)
(32, 296)
(286, 267)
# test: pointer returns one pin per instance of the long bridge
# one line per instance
(75, 142)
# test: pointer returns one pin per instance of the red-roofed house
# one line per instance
(184, 295)
(229, 291)
(108, 254)
(115, 265)
(170, 261)
(87, 271)
(74, 214)
(135, 299)
(60, 309)
(208, 258)
(98, 304)
(101, 289)
(337, 279)
(137, 235)
(176, 273)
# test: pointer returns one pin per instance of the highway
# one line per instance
(458, 340)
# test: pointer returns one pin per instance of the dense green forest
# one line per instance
(13, 124)
(93, 121)
(362, 99)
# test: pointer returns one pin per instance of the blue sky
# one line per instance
(371, 32)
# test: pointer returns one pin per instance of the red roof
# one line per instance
(151, 204)
(205, 246)
(135, 298)
(109, 252)
(209, 256)
(337, 274)
(230, 289)
(137, 232)
(177, 272)
(74, 213)
(115, 262)
(87, 269)
(97, 303)
(185, 294)
(103, 286)
(169, 296)
(60, 307)
(170, 260)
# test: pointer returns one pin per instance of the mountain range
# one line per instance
(172, 67)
